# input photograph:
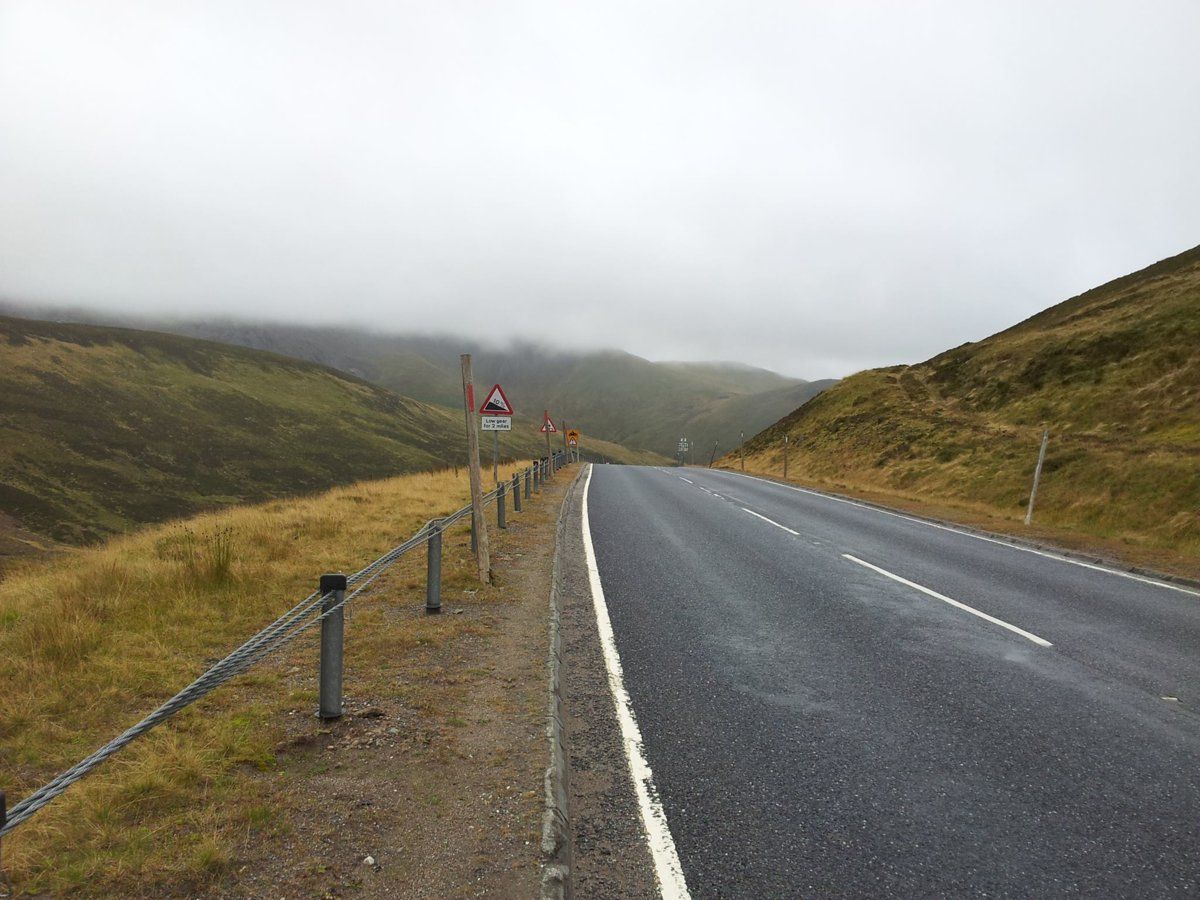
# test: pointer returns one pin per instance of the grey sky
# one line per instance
(813, 187)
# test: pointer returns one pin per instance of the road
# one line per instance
(835, 700)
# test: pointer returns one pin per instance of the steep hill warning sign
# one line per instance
(496, 403)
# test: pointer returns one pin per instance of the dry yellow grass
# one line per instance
(92, 641)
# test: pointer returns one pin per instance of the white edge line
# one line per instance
(770, 521)
(979, 537)
(1029, 636)
(667, 867)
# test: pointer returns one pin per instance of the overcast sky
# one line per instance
(812, 187)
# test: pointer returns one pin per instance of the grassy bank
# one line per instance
(1113, 374)
(93, 640)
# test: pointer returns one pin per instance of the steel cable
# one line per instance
(282, 631)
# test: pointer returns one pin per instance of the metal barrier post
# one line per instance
(516, 492)
(333, 589)
(528, 485)
(433, 569)
(537, 475)
(501, 519)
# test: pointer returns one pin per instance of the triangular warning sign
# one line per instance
(547, 424)
(496, 403)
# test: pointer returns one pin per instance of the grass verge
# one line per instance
(92, 640)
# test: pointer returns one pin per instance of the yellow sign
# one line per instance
(573, 437)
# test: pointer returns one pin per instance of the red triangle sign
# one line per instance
(496, 403)
(547, 424)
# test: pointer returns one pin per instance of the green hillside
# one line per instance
(1114, 374)
(107, 428)
(613, 396)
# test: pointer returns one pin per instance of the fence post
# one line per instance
(516, 492)
(528, 484)
(501, 518)
(537, 475)
(1037, 477)
(333, 589)
(433, 569)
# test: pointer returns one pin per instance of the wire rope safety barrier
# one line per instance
(324, 606)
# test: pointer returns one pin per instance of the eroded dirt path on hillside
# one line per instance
(431, 784)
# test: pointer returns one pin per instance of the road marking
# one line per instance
(771, 521)
(1154, 582)
(1041, 642)
(671, 883)
(681, 478)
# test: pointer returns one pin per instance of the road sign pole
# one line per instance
(495, 456)
(742, 444)
(785, 455)
(482, 556)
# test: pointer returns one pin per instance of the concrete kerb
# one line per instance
(556, 821)
(999, 537)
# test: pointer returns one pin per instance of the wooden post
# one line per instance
(1037, 477)
(483, 557)
(742, 444)
(785, 449)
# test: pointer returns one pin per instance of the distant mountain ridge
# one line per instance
(107, 428)
(611, 395)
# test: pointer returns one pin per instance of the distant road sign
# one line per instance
(495, 423)
(548, 426)
(496, 404)
(573, 437)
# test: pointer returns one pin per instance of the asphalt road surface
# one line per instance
(835, 700)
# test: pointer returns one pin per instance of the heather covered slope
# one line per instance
(105, 428)
(611, 396)
(1114, 374)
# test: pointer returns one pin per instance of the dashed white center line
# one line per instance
(769, 521)
(1041, 642)
(681, 478)
(979, 537)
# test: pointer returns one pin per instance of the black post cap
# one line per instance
(333, 582)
